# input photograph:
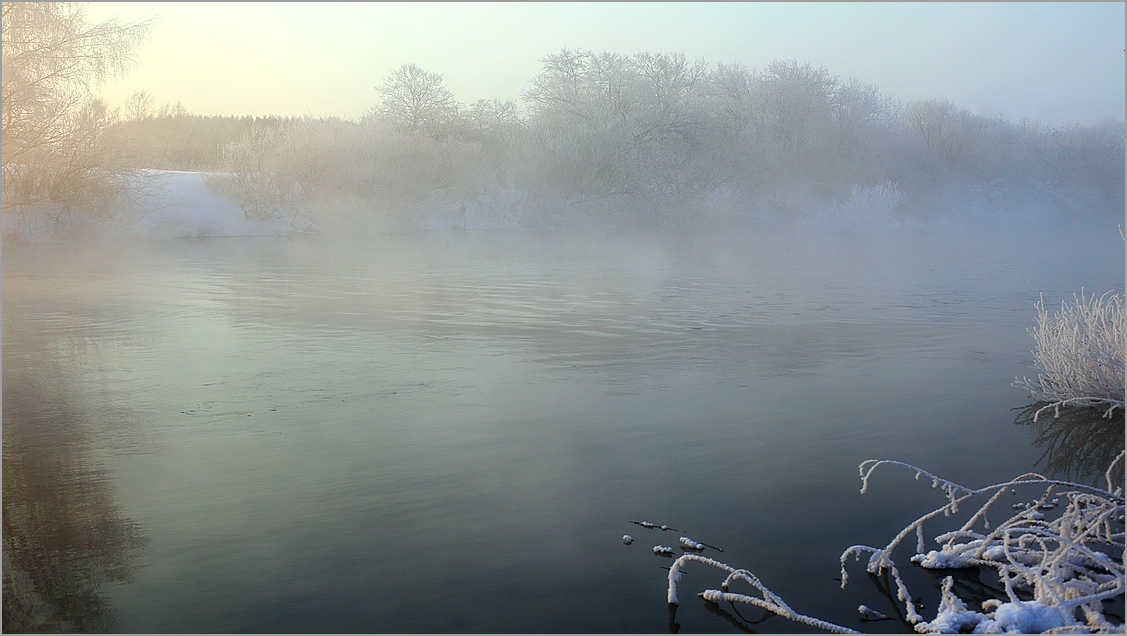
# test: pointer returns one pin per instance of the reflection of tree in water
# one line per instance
(63, 535)
(1079, 444)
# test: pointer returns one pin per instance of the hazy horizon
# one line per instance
(1056, 63)
(416, 359)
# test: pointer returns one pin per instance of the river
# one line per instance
(451, 431)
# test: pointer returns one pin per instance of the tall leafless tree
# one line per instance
(139, 105)
(52, 60)
(415, 100)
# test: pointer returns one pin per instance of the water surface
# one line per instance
(448, 432)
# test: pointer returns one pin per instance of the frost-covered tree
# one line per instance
(860, 112)
(797, 103)
(731, 93)
(669, 89)
(581, 107)
(488, 116)
(952, 133)
(577, 86)
(173, 110)
(609, 126)
(52, 129)
(343, 175)
(415, 100)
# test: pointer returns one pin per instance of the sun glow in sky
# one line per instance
(1053, 62)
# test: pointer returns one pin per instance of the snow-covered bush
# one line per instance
(868, 207)
(1057, 557)
(345, 175)
(1080, 353)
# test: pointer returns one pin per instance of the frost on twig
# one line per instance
(869, 614)
(769, 600)
(697, 546)
(1080, 355)
(1064, 565)
(654, 526)
(1056, 572)
(689, 544)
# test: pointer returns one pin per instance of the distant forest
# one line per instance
(644, 139)
(648, 139)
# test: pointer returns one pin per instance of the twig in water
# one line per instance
(647, 524)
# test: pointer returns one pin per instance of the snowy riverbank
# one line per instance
(162, 205)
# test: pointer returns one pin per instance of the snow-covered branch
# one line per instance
(1055, 572)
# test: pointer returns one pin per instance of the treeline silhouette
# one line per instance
(654, 139)
(595, 139)
(183, 141)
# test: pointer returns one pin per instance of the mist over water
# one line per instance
(450, 431)
(421, 370)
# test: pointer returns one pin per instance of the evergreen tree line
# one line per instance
(173, 139)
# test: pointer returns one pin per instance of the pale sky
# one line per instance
(1057, 63)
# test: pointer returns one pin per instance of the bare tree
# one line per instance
(796, 102)
(139, 105)
(731, 92)
(670, 83)
(492, 116)
(415, 100)
(559, 92)
(52, 60)
(952, 133)
(859, 109)
(172, 110)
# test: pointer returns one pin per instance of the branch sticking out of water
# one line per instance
(1063, 564)
(654, 526)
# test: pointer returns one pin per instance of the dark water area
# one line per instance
(451, 431)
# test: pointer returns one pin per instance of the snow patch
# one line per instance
(936, 560)
(1022, 617)
(161, 204)
(182, 205)
(690, 544)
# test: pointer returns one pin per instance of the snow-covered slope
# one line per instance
(163, 205)
(180, 204)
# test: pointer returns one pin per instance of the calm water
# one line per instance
(450, 432)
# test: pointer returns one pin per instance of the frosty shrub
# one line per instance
(1080, 353)
(343, 174)
(868, 206)
(1057, 558)
(252, 163)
